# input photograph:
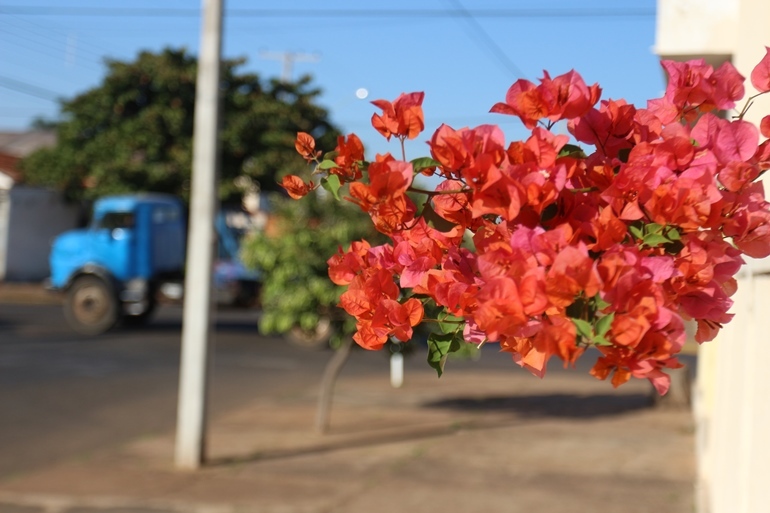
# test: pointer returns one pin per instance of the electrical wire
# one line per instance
(29, 89)
(487, 41)
(45, 48)
(328, 13)
(50, 33)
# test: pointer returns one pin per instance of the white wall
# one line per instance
(35, 217)
(5, 214)
(696, 28)
(732, 393)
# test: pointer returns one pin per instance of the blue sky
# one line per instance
(463, 54)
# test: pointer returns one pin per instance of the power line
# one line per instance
(51, 31)
(29, 89)
(45, 48)
(487, 40)
(330, 13)
(48, 32)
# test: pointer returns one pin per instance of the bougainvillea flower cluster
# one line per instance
(615, 237)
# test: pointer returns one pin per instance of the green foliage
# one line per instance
(440, 346)
(332, 184)
(653, 234)
(292, 255)
(571, 150)
(134, 131)
(424, 163)
(595, 333)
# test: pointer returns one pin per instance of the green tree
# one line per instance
(298, 299)
(134, 131)
(297, 295)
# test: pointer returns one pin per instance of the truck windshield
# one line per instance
(113, 220)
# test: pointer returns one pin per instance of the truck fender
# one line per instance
(93, 270)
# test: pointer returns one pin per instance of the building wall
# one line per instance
(5, 215)
(34, 217)
(732, 404)
(696, 28)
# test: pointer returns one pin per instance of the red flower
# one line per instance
(305, 146)
(694, 85)
(402, 118)
(462, 152)
(760, 75)
(545, 250)
(611, 129)
(764, 126)
(564, 97)
(344, 266)
(385, 197)
(295, 186)
(571, 274)
(350, 154)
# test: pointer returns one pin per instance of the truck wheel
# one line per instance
(91, 306)
(144, 317)
(316, 338)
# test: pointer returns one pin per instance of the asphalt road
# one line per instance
(63, 396)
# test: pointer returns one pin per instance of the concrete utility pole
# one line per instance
(289, 58)
(196, 326)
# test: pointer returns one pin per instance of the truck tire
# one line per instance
(91, 306)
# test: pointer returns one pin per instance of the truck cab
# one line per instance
(113, 268)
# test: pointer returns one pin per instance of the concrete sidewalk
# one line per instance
(488, 442)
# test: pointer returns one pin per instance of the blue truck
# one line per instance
(114, 270)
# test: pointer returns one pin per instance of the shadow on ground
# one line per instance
(506, 411)
(549, 405)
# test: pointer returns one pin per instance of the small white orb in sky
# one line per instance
(362, 93)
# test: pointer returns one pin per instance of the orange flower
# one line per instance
(385, 197)
(572, 272)
(344, 266)
(402, 118)
(305, 146)
(295, 186)
(350, 153)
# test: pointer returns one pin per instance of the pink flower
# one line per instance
(760, 75)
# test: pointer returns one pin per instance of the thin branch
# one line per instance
(437, 193)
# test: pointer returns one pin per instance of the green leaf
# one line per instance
(571, 150)
(327, 164)
(449, 323)
(603, 324)
(331, 155)
(653, 228)
(673, 235)
(584, 328)
(332, 184)
(599, 340)
(440, 346)
(421, 163)
(600, 303)
(636, 231)
(654, 239)
(436, 221)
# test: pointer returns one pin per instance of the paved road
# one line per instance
(64, 396)
(86, 426)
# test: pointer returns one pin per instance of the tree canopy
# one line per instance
(134, 131)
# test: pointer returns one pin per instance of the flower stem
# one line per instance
(436, 193)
